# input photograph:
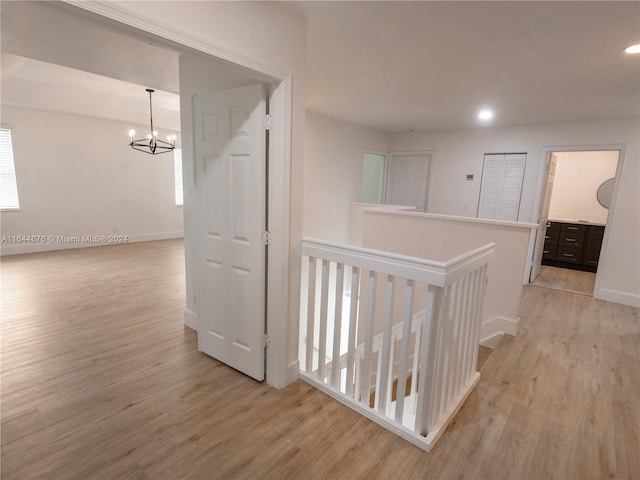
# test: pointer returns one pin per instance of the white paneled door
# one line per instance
(408, 180)
(230, 165)
(543, 217)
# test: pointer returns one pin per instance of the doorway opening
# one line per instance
(373, 177)
(224, 69)
(576, 205)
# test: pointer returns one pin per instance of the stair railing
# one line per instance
(373, 323)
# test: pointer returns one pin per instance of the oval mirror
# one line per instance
(605, 192)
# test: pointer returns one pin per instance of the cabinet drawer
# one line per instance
(571, 239)
(553, 226)
(549, 252)
(567, 254)
(572, 227)
(551, 236)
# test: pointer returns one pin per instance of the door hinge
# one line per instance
(266, 238)
(267, 340)
(268, 121)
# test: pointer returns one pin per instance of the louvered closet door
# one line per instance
(501, 188)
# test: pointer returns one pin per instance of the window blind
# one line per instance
(8, 185)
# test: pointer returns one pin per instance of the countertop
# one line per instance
(583, 222)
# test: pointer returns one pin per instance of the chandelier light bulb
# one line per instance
(132, 133)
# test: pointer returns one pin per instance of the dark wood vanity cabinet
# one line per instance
(593, 245)
(572, 245)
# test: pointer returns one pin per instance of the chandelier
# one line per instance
(152, 145)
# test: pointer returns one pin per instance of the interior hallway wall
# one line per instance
(461, 152)
(333, 171)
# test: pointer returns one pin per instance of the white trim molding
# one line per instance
(493, 329)
(191, 319)
(66, 242)
(618, 297)
(112, 11)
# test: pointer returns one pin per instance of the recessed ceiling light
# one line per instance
(633, 49)
(485, 115)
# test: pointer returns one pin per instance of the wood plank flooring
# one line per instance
(100, 380)
(566, 280)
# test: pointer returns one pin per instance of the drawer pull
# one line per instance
(567, 255)
(572, 228)
(570, 239)
(544, 252)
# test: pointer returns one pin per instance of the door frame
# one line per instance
(604, 251)
(392, 154)
(278, 372)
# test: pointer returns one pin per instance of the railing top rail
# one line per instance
(412, 268)
(453, 218)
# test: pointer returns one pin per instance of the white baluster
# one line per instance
(384, 364)
(324, 306)
(311, 311)
(337, 327)
(353, 323)
(404, 347)
(368, 339)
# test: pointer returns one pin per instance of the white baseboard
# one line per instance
(492, 330)
(150, 237)
(492, 342)
(47, 246)
(293, 370)
(618, 297)
(191, 319)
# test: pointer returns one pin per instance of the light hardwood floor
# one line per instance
(100, 380)
(565, 279)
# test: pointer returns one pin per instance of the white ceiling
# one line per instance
(397, 66)
(54, 61)
(390, 65)
(35, 84)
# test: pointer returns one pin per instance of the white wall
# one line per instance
(77, 176)
(577, 179)
(332, 176)
(442, 238)
(460, 152)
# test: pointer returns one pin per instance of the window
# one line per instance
(177, 170)
(8, 186)
(501, 187)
